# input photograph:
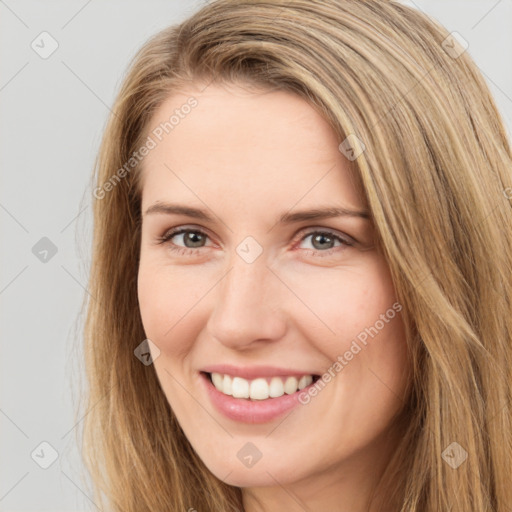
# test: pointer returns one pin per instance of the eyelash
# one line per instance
(166, 238)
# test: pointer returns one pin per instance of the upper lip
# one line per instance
(252, 372)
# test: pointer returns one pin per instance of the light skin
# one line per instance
(247, 158)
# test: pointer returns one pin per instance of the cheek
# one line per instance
(357, 323)
(165, 299)
(348, 303)
(153, 303)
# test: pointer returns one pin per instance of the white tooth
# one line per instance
(227, 385)
(276, 387)
(240, 387)
(259, 389)
(218, 380)
(290, 386)
(305, 380)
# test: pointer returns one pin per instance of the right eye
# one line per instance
(191, 238)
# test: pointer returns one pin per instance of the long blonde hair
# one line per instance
(437, 174)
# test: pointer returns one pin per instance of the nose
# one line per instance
(248, 306)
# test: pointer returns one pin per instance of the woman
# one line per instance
(236, 362)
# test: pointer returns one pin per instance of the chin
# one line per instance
(261, 474)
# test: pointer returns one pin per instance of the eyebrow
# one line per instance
(285, 218)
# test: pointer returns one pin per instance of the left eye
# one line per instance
(325, 240)
(322, 241)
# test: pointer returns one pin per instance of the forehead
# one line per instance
(248, 145)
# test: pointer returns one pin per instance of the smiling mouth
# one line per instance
(262, 388)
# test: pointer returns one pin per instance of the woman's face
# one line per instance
(259, 289)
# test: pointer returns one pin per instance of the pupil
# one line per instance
(320, 238)
(190, 237)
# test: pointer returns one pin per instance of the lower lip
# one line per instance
(251, 411)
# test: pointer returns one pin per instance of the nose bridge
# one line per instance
(246, 304)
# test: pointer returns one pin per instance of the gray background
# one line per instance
(53, 111)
